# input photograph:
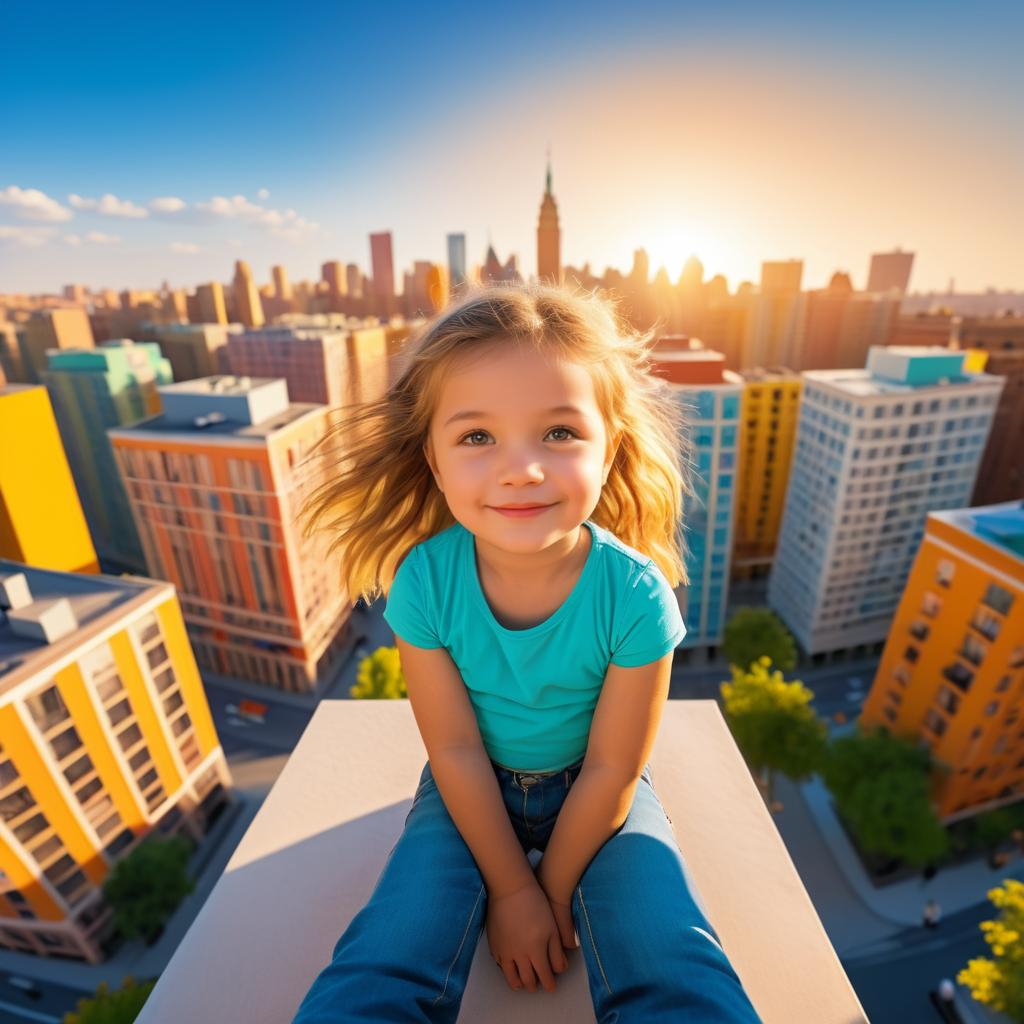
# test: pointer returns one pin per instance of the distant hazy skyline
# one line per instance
(738, 133)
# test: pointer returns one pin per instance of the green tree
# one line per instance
(121, 1006)
(880, 784)
(773, 723)
(146, 886)
(753, 633)
(999, 982)
(380, 676)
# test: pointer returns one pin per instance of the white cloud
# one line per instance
(167, 204)
(29, 236)
(31, 204)
(263, 194)
(109, 205)
(283, 224)
(73, 239)
(184, 247)
(102, 239)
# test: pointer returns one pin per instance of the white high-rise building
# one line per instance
(876, 450)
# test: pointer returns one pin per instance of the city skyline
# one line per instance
(736, 138)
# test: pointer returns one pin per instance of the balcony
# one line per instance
(315, 850)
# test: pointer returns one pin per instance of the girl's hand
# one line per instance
(562, 913)
(524, 938)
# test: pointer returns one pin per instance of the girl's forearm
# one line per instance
(470, 791)
(594, 809)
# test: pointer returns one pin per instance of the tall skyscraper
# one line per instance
(549, 237)
(778, 316)
(877, 449)
(890, 270)
(105, 738)
(383, 269)
(41, 518)
(217, 482)
(193, 350)
(353, 281)
(282, 286)
(247, 297)
(93, 390)
(997, 344)
(768, 411)
(710, 396)
(52, 328)
(825, 311)
(210, 303)
(951, 671)
(457, 260)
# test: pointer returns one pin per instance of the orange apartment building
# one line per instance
(105, 737)
(216, 483)
(952, 672)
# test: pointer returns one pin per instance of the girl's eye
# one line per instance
(478, 433)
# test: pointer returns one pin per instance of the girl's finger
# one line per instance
(542, 965)
(526, 974)
(556, 954)
(508, 968)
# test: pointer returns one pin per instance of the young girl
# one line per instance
(524, 470)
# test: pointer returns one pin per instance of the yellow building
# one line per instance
(105, 735)
(41, 518)
(952, 673)
(768, 418)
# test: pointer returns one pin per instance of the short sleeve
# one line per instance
(405, 609)
(651, 624)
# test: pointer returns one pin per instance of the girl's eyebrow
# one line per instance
(473, 415)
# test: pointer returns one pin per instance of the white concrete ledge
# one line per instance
(316, 848)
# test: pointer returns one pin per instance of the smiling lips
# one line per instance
(519, 511)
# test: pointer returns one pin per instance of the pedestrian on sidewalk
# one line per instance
(931, 915)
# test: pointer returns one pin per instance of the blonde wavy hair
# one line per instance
(379, 498)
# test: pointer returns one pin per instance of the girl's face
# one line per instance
(499, 437)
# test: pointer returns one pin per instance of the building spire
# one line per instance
(547, 190)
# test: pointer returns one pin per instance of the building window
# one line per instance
(919, 629)
(910, 654)
(992, 708)
(934, 722)
(986, 624)
(998, 599)
(972, 649)
(931, 605)
(944, 575)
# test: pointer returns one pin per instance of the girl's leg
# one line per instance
(651, 953)
(406, 955)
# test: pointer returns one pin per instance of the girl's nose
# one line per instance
(525, 471)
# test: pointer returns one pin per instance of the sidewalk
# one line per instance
(953, 887)
(135, 958)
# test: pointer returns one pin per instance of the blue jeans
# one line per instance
(650, 952)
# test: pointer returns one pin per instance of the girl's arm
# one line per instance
(461, 767)
(622, 734)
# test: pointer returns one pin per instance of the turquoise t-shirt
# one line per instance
(534, 690)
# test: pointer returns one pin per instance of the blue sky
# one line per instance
(739, 131)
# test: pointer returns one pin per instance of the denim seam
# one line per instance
(593, 943)
(458, 952)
